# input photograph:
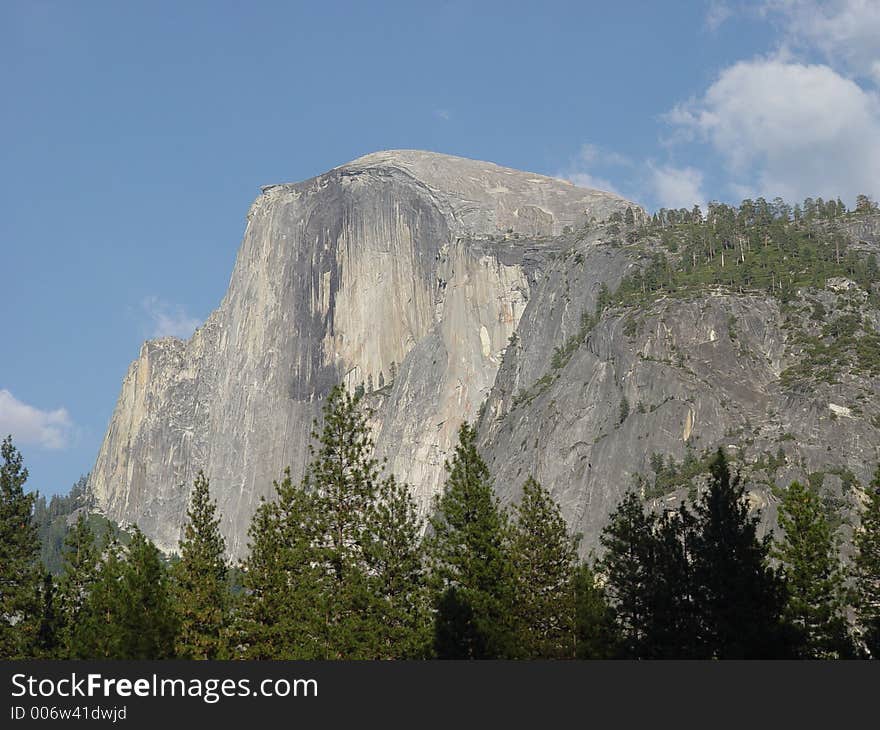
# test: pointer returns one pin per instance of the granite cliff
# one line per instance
(403, 272)
(450, 289)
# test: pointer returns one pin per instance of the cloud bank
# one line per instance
(32, 426)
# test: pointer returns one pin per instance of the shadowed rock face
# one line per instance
(698, 372)
(393, 271)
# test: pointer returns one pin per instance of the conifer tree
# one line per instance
(396, 566)
(545, 562)
(813, 575)
(671, 627)
(149, 624)
(335, 569)
(625, 565)
(201, 597)
(866, 568)
(281, 614)
(20, 573)
(367, 540)
(738, 598)
(99, 632)
(471, 567)
(48, 634)
(79, 572)
(128, 612)
(595, 632)
(345, 480)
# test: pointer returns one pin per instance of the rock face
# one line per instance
(452, 289)
(405, 272)
(673, 376)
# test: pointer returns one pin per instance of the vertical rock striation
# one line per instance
(406, 272)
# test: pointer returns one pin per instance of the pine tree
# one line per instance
(625, 565)
(595, 631)
(79, 572)
(866, 568)
(128, 612)
(671, 628)
(20, 572)
(99, 632)
(544, 564)
(281, 613)
(738, 598)
(199, 580)
(396, 566)
(367, 540)
(471, 566)
(345, 479)
(813, 575)
(149, 624)
(48, 635)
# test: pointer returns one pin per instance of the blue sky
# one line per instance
(135, 135)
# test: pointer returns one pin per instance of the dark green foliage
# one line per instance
(738, 599)
(367, 542)
(20, 574)
(695, 582)
(625, 565)
(866, 569)
(79, 572)
(472, 570)
(281, 615)
(397, 574)
(595, 631)
(670, 475)
(335, 569)
(344, 478)
(52, 519)
(813, 575)
(650, 580)
(128, 612)
(148, 621)
(99, 632)
(544, 564)
(48, 634)
(623, 410)
(200, 592)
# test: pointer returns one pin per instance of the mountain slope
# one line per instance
(404, 272)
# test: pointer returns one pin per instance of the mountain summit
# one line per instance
(402, 272)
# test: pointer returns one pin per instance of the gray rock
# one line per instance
(401, 260)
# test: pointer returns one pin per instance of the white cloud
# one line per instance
(717, 14)
(591, 154)
(586, 180)
(582, 169)
(676, 187)
(789, 129)
(167, 320)
(29, 425)
(847, 32)
(443, 114)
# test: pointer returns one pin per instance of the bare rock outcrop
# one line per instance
(404, 272)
